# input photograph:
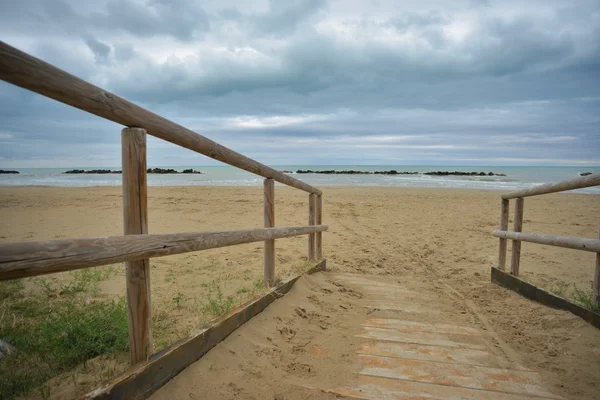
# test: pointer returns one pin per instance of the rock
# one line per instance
(5, 171)
(191, 171)
(580, 174)
(91, 171)
(461, 173)
(161, 171)
(394, 172)
(6, 349)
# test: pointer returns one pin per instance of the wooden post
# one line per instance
(318, 221)
(503, 242)
(269, 203)
(135, 218)
(516, 244)
(597, 278)
(312, 201)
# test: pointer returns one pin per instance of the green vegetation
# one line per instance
(585, 298)
(564, 290)
(178, 298)
(56, 328)
(217, 303)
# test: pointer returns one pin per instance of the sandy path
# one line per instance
(413, 233)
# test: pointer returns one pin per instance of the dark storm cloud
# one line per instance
(473, 82)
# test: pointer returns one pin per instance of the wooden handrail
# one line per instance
(24, 259)
(31, 73)
(517, 236)
(577, 183)
(570, 242)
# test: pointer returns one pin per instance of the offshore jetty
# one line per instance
(149, 171)
(394, 172)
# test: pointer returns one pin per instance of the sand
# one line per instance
(423, 233)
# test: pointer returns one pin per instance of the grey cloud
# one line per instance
(181, 18)
(101, 50)
(373, 86)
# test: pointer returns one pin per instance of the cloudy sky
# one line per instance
(316, 82)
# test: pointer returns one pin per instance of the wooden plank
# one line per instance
(596, 285)
(318, 221)
(577, 183)
(312, 201)
(535, 293)
(269, 211)
(140, 381)
(569, 242)
(503, 227)
(378, 388)
(516, 244)
(31, 73)
(519, 382)
(23, 259)
(135, 222)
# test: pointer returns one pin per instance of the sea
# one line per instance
(516, 177)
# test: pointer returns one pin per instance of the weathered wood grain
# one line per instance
(535, 293)
(596, 285)
(577, 183)
(516, 244)
(312, 201)
(31, 73)
(269, 205)
(318, 221)
(23, 259)
(135, 222)
(568, 242)
(503, 227)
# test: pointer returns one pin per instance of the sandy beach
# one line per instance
(430, 233)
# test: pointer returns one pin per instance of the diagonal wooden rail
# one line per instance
(31, 73)
(26, 259)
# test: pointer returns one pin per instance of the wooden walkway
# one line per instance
(390, 338)
(441, 356)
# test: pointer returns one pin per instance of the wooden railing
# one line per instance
(26, 259)
(517, 236)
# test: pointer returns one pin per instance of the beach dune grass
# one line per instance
(55, 329)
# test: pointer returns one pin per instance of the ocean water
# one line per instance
(516, 177)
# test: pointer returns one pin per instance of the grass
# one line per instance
(564, 290)
(585, 298)
(178, 298)
(56, 328)
(217, 303)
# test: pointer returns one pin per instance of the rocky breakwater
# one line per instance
(351, 172)
(8, 171)
(91, 171)
(393, 172)
(149, 171)
(461, 173)
(172, 171)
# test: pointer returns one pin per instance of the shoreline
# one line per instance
(280, 186)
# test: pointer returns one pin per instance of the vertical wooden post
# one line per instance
(597, 278)
(269, 203)
(503, 242)
(516, 244)
(319, 221)
(135, 218)
(312, 201)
